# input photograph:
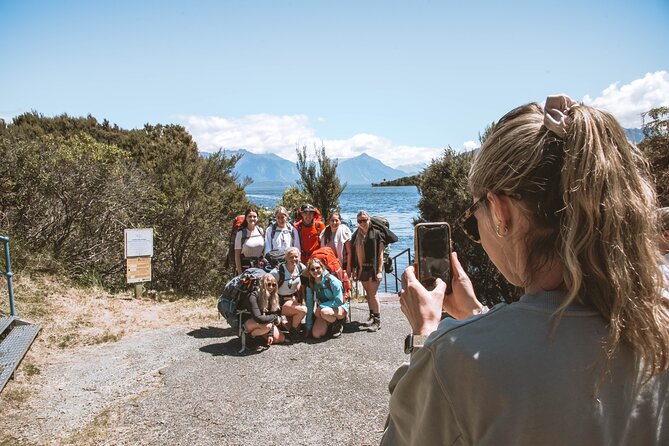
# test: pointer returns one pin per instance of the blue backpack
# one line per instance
(236, 292)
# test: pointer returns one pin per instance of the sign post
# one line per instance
(138, 253)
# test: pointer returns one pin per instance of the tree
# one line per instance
(444, 197)
(655, 146)
(319, 180)
(292, 199)
(69, 186)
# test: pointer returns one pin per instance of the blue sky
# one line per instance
(399, 80)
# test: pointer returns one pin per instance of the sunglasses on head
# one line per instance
(468, 221)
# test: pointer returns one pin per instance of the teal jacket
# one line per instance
(328, 293)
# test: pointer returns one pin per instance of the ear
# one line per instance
(501, 210)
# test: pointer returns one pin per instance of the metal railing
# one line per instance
(396, 273)
(8, 273)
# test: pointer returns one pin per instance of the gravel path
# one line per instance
(189, 386)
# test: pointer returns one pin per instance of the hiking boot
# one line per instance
(375, 325)
(369, 322)
(294, 335)
(337, 328)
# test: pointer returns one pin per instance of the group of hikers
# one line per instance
(303, 272)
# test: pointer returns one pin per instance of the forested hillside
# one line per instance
(70, 186)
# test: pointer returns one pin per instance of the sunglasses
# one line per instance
(315, 268)
(468, 221)
(363, 221)
(271, 285)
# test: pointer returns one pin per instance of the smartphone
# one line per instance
(432, 242)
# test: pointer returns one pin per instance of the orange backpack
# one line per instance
(236, 226)
(329, 259)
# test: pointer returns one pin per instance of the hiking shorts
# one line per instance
(366, 273)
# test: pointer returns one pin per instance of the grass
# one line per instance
(30, 369)
(106, 337)
(15, 396)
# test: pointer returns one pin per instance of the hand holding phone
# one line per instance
(433, 253)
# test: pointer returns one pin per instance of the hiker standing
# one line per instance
(249, 242)
(367, 265)
(338, 237)
(281, 235)
(309, 228)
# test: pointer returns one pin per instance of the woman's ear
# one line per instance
(500, 206)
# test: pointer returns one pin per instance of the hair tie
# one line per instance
(556, 112)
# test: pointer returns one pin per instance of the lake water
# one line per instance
(397, 203)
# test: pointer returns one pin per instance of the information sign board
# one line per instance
(138, 242)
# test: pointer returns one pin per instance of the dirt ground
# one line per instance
(109, 369)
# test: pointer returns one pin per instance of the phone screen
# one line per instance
(433, 253)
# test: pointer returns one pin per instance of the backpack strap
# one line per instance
(273, 230)
(282, 275)
(327, 235)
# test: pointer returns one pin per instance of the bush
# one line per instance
(444, 197)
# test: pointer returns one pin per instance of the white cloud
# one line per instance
(264, 133)
(470, 145)
(629, 101)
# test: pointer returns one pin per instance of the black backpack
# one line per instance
(235, 294)
(382, 225)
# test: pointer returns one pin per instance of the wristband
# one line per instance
(413, 342)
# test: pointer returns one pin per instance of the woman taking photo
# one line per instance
(338, 237)
(367, 265)
(564, 208)
(264, 316)
(249, 242)
(288, 276)
(326, 293)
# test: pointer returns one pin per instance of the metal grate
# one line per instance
(5, 322)
(13, 348)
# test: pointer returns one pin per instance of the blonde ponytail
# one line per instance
(590, 204)
(609, 233)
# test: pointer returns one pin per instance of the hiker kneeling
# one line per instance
(288, 277)
(265, 313)
(331, 310)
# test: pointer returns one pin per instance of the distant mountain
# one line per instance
(270, 169)
(266, 168)
(412, 169)
(634, 135)
(364, 169)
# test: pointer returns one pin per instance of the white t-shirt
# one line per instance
(291, 280)
(254, 244)
(283, 238)
(337, 241)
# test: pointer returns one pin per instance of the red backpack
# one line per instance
(329, 259)
(236, 226)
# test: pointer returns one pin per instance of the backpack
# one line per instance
(236, 226)
(235, 294)
(382, 225)
(274, 258)
(329, 259)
